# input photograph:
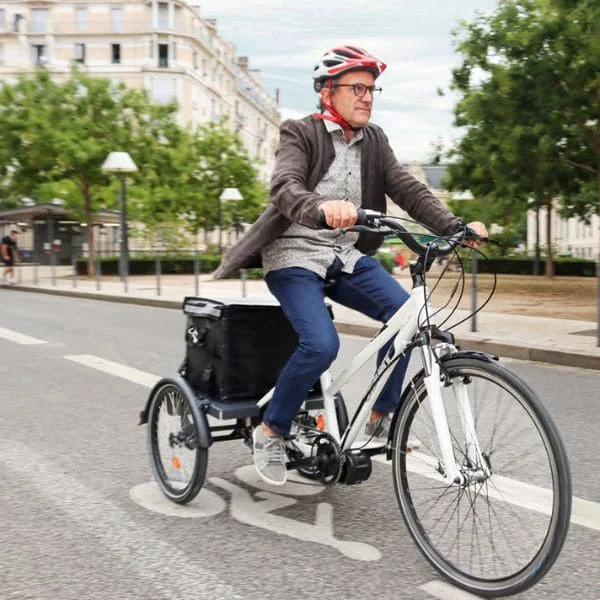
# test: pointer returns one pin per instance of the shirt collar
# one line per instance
(331, 127)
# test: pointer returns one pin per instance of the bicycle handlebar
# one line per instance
(375, 222)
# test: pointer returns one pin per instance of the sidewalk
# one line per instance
(557, 341)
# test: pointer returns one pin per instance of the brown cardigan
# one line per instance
(304, 156)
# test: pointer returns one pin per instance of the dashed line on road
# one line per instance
(445, 591)
(19, 338)
(113, 368)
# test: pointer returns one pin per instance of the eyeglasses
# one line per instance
(360, 89)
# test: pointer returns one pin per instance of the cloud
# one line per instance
(284, 39)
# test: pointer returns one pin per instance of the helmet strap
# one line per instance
(333, 115)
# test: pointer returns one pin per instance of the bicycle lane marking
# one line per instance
(19, 338)
(584, 512)
(133, 544)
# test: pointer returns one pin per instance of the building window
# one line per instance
(163, 15)
(115, 50)
(117, 20)
(163, 90)
(80, 53)
(39, 55)
(163, 55)
(1, 54)
(195, 60)
(39, 20)
(2, 20)
(81, 18)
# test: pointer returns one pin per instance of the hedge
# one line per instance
(182, 265)
(524, 266)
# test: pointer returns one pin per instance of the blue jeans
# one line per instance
(370, 289)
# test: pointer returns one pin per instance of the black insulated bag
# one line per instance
(235, 348)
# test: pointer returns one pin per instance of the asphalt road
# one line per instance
(79, 517)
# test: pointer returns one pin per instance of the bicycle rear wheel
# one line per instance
(178, 462)
(497, 534)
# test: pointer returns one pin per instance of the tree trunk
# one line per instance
(549, 252)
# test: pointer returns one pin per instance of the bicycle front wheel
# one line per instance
(498, 532)
(178, 461)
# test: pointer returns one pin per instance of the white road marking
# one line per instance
(19, 338)
(584, 512)
(113, 368)
(170, 571)
(149, 496)
(258, 511)
(445, 591)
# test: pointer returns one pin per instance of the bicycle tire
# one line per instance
(534, 539)
(173, 434)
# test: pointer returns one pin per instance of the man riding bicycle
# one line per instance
(330, 164)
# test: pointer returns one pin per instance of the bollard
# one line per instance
(243, 276)
(35, 274)
(157, 262)
(74, 265)
(474, 294)
(196, 272)
(98, 271)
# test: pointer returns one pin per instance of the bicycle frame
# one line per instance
(402, 326)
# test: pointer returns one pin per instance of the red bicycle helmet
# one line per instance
(342, 59)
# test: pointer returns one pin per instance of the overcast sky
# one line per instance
(284, 39)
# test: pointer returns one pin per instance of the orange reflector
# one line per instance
(176, 462)
(320, 422)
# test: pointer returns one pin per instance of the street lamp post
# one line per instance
(227, 194)
(121, 163)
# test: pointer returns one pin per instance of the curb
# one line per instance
(556, 357)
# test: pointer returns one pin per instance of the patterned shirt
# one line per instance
(316, 249)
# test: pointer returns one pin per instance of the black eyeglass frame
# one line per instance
(360, 86)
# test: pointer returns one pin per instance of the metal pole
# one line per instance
(157, 273)
(74, 264)
(98, 269)
(220, 219)
(474, 294)
(196, 272)
(243, 276)
(598, 285)
(124, 255)
(52, 255)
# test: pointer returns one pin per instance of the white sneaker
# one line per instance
(269, 456)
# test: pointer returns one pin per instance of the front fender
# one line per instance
(204, 436)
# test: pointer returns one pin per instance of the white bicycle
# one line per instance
(487, 494)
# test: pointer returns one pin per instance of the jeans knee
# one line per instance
(322, 351)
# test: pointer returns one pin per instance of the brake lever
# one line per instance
(366, 229)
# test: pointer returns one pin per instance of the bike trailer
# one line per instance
(235, 348)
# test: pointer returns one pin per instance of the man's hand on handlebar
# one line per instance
(480, 229)
(339, 213)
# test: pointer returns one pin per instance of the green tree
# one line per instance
(56, 136)
(530, 104)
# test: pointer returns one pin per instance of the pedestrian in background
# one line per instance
(10, 256)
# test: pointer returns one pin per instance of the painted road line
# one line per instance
(113, 368)
(445, 591)
(152, 560)
(19, 338)
(584, 512)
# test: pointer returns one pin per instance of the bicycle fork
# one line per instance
(477, 466)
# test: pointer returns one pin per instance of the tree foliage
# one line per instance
(530, 103)
(55, 136)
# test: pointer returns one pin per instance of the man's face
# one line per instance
(354, 110)
(13, 235)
